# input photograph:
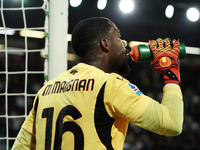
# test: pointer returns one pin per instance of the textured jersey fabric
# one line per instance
(85, 108)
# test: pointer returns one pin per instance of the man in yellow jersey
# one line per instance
(90, 106)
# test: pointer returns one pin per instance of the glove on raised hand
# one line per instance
(165, 60)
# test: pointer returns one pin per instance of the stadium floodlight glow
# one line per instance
(75, 3)
(169, 11)
(126, 6)
(32, 34)
(101, 4)
(192, 14)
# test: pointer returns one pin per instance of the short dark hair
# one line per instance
(88, 32)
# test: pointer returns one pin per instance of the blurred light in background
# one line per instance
(32, 34)
(192, 14)
(38, 34)
(192, 50)
(133, 43)
(101, 4)
(126, 6)
(75, 3)
(69, 37)
(7, 31)
(169, 11)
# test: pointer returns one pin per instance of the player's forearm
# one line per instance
(24, 141)
(165, 118)
(172, 100)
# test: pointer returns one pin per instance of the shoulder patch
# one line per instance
(135, 89)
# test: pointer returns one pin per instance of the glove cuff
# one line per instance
(171, 76)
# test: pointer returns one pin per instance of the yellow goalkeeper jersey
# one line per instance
(87, 109)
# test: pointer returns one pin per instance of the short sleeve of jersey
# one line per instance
(124, 99)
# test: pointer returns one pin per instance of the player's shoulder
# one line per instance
(117, 78)
(114, 81)
(121, 85)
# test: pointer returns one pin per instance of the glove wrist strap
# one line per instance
(171, 76)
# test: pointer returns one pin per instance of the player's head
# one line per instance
(87, 33)
(99, 39)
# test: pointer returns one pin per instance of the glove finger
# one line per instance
(176, 47)
(160, 43)
(153, 45)
(167, 43)
(176, 44)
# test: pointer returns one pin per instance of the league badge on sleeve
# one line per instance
(135, 89)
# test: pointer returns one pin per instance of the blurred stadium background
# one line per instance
(147, 20)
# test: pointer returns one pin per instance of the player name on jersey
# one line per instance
(73, 85)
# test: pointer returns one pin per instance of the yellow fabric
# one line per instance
(165, 118)
(24, 141)
(29, 124)
(78, 89)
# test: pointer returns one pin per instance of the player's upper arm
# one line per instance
(124, 99)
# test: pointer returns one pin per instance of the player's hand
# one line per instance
(165, 60)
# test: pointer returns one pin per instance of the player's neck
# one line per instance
(96, 63)
(97, 58)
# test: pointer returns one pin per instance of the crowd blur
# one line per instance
(15, 105)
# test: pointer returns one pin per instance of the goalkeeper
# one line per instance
(90, 106)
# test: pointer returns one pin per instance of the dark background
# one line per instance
(146, 21)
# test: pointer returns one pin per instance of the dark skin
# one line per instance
(110, 53)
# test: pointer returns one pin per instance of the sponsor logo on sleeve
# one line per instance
(135, 89)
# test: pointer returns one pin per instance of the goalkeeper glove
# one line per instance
(165, 60)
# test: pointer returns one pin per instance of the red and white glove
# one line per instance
(165, 60)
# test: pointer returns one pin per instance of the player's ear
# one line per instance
(105, 44)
